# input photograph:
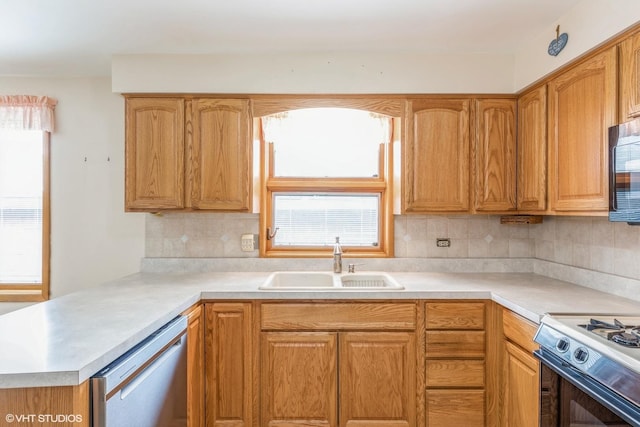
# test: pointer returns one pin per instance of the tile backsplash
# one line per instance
(198, 235)
(583, 242)
(590, 243)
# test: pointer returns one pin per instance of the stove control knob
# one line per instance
(581, 355)
(563, 345)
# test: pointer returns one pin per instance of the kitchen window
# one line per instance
(326, 174)
(25, 122)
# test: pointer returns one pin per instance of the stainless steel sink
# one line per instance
(317, 280)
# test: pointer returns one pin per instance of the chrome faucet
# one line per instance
(337, 256)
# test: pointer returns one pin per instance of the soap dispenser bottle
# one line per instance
(337, 256)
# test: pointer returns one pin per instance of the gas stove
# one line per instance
(615, 337)
(600, 354)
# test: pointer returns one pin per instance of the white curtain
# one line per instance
(26, 112)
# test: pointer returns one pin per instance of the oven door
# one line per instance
(569, 398)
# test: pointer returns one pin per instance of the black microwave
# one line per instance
(624, 172)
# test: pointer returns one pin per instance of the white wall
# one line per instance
(313, 73)
(588, 24)
(92, 239)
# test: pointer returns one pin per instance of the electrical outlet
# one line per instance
(249, 242)
(443, 243)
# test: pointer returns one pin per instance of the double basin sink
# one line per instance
(319, 280)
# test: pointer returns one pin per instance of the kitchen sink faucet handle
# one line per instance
(352, 267)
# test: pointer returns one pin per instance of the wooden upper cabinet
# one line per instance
(216, 171)
(531, 162)
(494, 155)
(436, 155)
(219, 168)
(582, 105)
(154, 153)
(629, 74)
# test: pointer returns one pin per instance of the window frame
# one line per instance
(35, 292)
(382, 185)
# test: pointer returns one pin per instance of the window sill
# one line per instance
(16, 295)
(317, 253)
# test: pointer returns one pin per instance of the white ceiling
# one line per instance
(78, 37)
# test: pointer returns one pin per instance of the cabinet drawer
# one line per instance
(455, 373)
(455, 315)
(447, 408)
(338, 316)
(519, 330)
(454, 344)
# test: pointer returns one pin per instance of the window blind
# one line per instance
(315, 220)
(21, 204)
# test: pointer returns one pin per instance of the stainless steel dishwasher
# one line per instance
(147, 386)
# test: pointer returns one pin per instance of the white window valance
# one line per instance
(27, 112)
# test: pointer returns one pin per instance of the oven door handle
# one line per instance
(607, 398)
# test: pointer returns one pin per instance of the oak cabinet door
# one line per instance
(522, 391)
(582, 106)
(219, 146)
(377, 379)
(436, 155)
(154, 153)
(299, 379)
(228, 354)
(195, 368)
(532, 150)
(494, 155)
(629, 78)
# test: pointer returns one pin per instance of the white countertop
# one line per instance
(66, 340)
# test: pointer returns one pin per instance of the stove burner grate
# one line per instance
(627, 339)
(618, 332)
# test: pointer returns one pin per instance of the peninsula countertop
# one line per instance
(66, 340)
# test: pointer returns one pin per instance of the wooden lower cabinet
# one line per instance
(62, 406)
(354, 364)
(521, 373)
(455, 408)
(301, 373)
(377, 379)
(521, 401)
(456, 364)
(195, 367)
(338, 364)
(299, 379)
(228, 365)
